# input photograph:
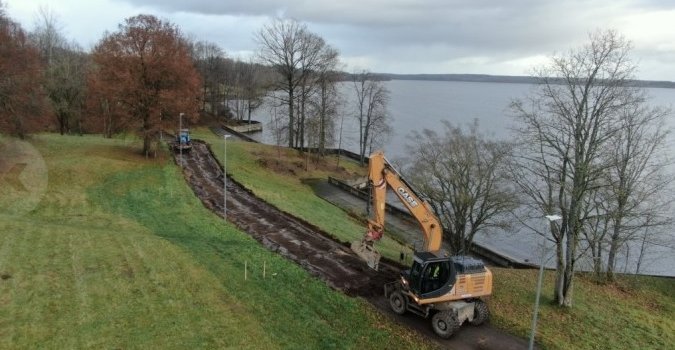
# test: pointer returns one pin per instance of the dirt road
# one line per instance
(314, 250)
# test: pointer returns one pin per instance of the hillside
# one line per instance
(120, 254)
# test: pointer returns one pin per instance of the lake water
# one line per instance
(418, 105)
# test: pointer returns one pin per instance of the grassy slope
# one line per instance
(634, 313)
(288, 192)
(603, 317)
(120, 254)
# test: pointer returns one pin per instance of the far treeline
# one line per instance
(511, 79)
(588, 146)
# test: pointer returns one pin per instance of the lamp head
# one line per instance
(552, 218)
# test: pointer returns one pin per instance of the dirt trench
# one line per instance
(310, 247)
(291, 237)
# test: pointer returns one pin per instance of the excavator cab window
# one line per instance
(435, 276)
(415, 273)
(432, 278)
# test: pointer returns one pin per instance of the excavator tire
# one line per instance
(398, 302)
(445, 323)
(480, 313)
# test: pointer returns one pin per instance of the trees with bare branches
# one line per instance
(252, 89)
(67, 67)
(210, 61)
(462, 175)
(325, 101)
(66, 85)
(566, 132)
(145, 72)
(21, 94)
(47, 35)
(636, 180)
(281, 46)
(372, 98)
(296, 54)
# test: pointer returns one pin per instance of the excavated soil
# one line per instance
(310, 247)
(291, 237)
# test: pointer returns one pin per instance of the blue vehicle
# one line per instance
(182, 142)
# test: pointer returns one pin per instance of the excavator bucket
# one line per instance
(367, 252)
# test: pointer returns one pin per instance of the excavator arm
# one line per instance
(381, 176)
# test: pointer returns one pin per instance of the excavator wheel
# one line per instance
(445, 323)
(480, 313)
(398, 302)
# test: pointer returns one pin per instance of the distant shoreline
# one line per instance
(486, 78)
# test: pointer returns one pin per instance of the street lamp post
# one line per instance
(225, 136)
(551, 219)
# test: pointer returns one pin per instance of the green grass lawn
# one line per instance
(633, 313)
(121, 254)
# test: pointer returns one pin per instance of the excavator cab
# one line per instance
(431, 275)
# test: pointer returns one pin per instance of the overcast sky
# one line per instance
(399, 36)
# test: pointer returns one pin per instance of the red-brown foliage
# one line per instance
(22, 99)
(144, 77)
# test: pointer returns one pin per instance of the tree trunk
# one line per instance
(643, 248)
(565, 292)
(79, 124)
(291, 121)
(597, 260)
(62, 122)
(569, 283)
(614, 246)
(18, 124)
(302, 119)
(249, 112)
(146, 144)
(146, 134)
(364, 143)
(322, 121)
(559, 272)
(361, 155)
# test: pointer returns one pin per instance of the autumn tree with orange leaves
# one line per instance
(144, 77)
(22, 99)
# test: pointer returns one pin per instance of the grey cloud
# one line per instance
(369, 13)
(464, 23)
(440, 30)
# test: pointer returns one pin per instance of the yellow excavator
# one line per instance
(446, 288)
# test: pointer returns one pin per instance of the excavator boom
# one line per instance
(382, 176)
